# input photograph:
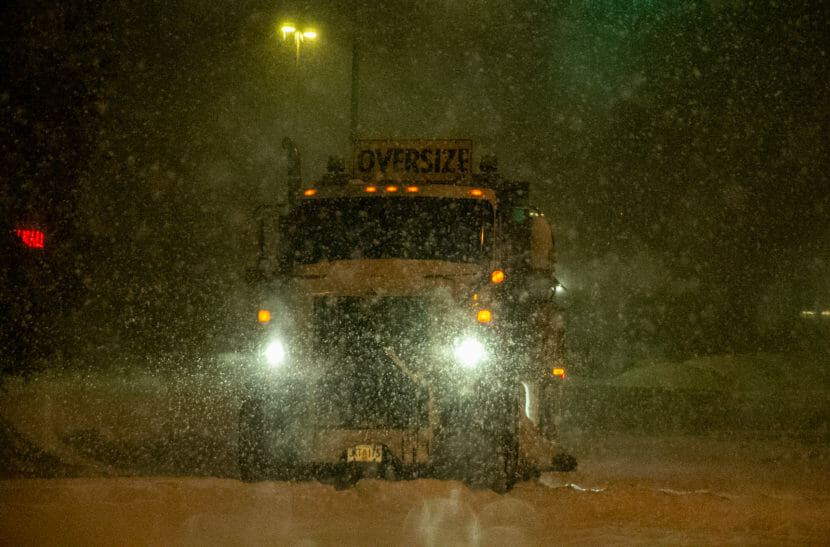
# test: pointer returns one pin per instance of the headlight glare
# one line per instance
(274, 353)
(469, 352)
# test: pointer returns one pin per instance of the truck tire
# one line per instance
(478, 451)
(501, 472)
(251, 452)
(505, 469)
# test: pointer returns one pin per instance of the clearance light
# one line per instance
(559, 372)
(484, 316)
(497, 276)
(371, 189)
(476, 192)
(264, 316)
(391, 188)
(31, 238)
(411, 189)
(310, 192)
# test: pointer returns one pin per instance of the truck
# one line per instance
(406, 327)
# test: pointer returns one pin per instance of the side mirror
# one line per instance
(541, 245)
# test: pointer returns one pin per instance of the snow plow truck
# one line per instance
(406, 327)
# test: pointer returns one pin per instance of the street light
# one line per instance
(288, 30)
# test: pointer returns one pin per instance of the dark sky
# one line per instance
(679, 147)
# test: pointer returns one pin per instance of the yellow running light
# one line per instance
(391, 188)
(484, 316)
(411, 189)
(264, 316)
(559, 372)
(310, 192)
(476, 192)
(497, 276)
(371, 189)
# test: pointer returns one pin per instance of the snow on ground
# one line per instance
(148, 458)
(596, 505)
(132, 421)
(733, 373)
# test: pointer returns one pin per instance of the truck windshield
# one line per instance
(418, 228)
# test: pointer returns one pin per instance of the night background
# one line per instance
(679, 148)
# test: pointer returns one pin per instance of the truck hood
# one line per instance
(384, 277)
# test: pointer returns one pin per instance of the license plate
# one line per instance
(365, 453)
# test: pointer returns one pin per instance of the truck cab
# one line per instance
(406, 327)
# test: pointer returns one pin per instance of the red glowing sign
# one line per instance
(31, 238)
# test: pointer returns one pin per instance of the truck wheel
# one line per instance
(481, 452)
(505, 468)
(487, 461)
(251, 453)
(502, 470)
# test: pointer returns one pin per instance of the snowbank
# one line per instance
(733, 373)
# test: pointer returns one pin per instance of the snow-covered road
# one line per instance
(607, 501)
(148, 459)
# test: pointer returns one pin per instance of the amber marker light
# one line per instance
(310, 192)
(484, 316)
(391, 188)
(264, 316)
(476, 192)
(497, 276)
(559, 372)
(371, 189)
(411, 189)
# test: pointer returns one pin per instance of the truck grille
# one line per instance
(364, 385)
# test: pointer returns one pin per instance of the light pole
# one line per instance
(293, 155)
(355, 98)
(355, 90)
(290, 32)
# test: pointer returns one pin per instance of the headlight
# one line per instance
(469, 352)
(274, 353)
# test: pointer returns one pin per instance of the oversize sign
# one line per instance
(417, 160)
